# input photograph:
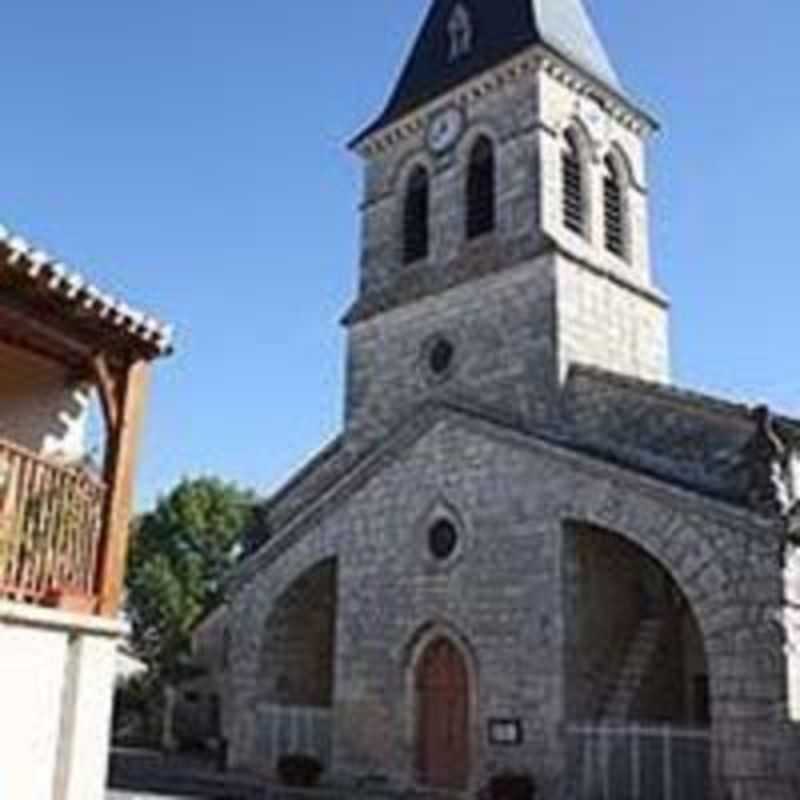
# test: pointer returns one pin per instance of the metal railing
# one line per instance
(638, 762)
(295, 730)
(51, 521)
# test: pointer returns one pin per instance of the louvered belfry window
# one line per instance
(613, 209)
(481, 190)
(573, 186)
(415, 222)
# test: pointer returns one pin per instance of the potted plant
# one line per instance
(67, 599)
(512, 786)
(299, 770)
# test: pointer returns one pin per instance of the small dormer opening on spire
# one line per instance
(461, 32)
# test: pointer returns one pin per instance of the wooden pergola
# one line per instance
(48, 310)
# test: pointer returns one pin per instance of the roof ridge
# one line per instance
(680, 394)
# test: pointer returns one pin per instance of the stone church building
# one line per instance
(527, 550)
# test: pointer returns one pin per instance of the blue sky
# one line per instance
(191, 157)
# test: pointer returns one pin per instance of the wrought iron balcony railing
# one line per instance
(51, 524)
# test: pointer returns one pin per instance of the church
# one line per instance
(527, 551)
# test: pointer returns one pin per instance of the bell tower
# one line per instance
(504, 222)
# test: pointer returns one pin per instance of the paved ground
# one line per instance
(114, 795)
(143, 775)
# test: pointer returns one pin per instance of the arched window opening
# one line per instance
(614, 209)
(416, 235)
(481, 190)
(574, 203)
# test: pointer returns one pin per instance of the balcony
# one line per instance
(69, 353)
(51, 527)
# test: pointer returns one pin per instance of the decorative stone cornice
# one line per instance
(533, 59)
(482, 258)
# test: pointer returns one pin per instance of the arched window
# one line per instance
(574, 200)
(614, 209)
(481, 190)
(415, 219)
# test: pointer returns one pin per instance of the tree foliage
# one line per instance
(181, 554)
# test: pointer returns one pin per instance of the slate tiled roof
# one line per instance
(502, 29)
(24, 265)
(688, 398)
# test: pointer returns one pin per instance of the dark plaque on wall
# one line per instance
(506, 732)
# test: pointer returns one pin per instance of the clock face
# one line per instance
(445, 129)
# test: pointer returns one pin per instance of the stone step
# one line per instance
(634, 669)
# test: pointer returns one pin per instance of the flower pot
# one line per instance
(512, 787)
(70, 600)
(299, 771)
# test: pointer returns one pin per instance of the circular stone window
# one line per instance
(440, 356)
(443, 540)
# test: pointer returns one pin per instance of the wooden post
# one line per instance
(123, 403)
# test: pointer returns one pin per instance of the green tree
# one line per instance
(181, 554)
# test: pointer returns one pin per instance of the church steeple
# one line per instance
(460, 39)
(504, 222)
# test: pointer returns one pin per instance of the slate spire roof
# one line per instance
(500, 30)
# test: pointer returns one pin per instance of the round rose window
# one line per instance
(441, 356)
(443, 540)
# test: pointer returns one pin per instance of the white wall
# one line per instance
(56, 687)
(41, 408)
(30, 695)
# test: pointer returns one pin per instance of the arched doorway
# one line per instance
(443, 725)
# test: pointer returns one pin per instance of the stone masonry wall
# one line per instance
(502, 331)
(610, 324)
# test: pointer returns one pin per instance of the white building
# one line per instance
(63, 525)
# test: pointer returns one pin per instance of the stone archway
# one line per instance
(442, 698)
(635, 650)
(298, 644)
(292, 696)
(637, 678)
(727, 564)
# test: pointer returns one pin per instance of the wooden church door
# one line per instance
(443, 717)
